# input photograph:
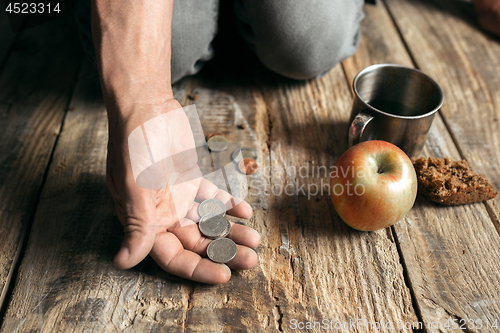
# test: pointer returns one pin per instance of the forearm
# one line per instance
(132, 41)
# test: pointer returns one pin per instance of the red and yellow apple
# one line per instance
(373, 185)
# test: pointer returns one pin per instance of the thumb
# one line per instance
(140, 233)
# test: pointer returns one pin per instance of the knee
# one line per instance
(194, 25)
(299, 40)
(305, 58)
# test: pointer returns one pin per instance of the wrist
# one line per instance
(123, 95)
(123, 120)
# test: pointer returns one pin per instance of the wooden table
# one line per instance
(58, 231)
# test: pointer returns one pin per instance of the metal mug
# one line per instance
(394, 103)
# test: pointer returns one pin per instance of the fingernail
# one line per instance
(123, 254)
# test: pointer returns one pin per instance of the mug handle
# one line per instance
(357, 127)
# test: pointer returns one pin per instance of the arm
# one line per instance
(132, 40)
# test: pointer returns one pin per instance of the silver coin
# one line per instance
(228, 229)
(245, 153)
(221, 250)
(212, 206)
(217, 143)
(207, 216)
(213, 227)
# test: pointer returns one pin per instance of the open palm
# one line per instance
(161, 221)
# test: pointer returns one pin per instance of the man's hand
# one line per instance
(132, 42)
(163, 222)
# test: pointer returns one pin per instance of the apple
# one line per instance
(373, 185)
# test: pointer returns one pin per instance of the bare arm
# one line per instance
(132, 41)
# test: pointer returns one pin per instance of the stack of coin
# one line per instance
(215, 226)
(212, 223)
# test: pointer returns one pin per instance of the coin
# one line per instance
(211, 135)
(245, 153)
(247, 166)
(212, 206)
(217, 143)
(207, 216)
(221, 250)
(213, 226)
(228, 229)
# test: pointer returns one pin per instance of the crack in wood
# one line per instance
(269, 132)
(440, 309)
(278, 316)
(394, 238)
(285, 249)
(6, 293)
(492, 213)
(189, 306)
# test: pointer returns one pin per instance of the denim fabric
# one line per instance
(297, 39)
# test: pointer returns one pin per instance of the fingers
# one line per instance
(246, 258)
(209, 190)
(140, 229)
(191, 238)
(241, 234)
(174, 259)
(136, 245)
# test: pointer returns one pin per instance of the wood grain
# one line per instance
(67, 280)
(451, 254)
(35, 86)
(448, 44)
(327, 270)
(312, 267)
(234, 107)
(71, 283)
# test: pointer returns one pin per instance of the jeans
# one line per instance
(295, 38)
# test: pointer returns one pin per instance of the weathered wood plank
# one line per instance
(451, 255)
(67, 280)
(310, 268)
(234, 107)
(73, 284)
(327, 270)
(35, 86)
(447, 43)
